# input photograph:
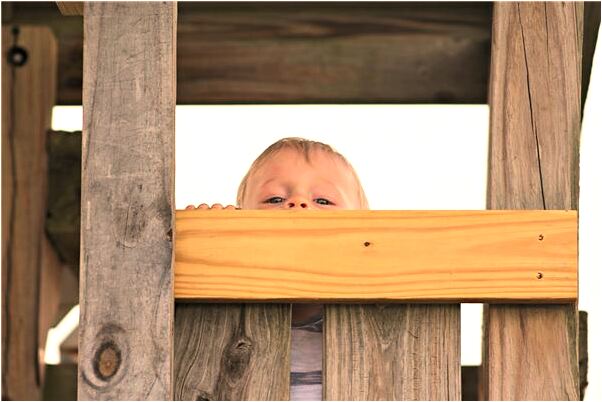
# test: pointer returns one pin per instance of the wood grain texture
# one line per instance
(232, 351)
(126, 296)
(71, 7)
(28, 94)
(392, 352)
(309, 52)
(535, 93)
(531, 353)
(535, 106)
(425, 256)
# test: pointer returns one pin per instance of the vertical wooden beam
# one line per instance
(28, 94)
(126, 281)
(392, 352)
(232, 351)
(530, 352)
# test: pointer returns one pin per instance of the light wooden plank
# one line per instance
(530, 352)
(126, 297)
(392, 352)
(425, 256)
(28, 94)
(232, 352)
(71, 7)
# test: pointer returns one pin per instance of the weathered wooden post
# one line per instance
(530, 352)
(30, 267)
(366, 352)
(129, 95)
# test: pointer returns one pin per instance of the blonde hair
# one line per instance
(304, 147)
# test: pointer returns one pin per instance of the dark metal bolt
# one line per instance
(17, 56)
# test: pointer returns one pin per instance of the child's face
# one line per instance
(287, 181)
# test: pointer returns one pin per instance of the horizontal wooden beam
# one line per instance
(359, 256)
(306, 52)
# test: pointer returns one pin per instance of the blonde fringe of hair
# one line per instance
(304, 147)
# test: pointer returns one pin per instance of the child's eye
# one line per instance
(274, 200)
(323, 201)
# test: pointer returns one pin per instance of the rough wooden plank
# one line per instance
(28, 94)
(71, 7)
(532, 353)
(421, 256)
(535, 121)
(232, 351)
(392, 352)
(310, 51)
(126, 299)
(472, 387)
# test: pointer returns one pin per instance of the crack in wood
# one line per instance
(533, 123)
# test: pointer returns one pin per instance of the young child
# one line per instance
(295, 173)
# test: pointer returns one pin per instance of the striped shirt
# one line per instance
(306, 360)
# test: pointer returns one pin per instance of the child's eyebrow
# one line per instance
(323, 181)
(268, 181)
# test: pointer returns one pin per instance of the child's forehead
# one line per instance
(291, 162)
(313, 157)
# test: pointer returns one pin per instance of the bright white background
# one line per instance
(407, 157)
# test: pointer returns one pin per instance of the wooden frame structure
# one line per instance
(242, 351)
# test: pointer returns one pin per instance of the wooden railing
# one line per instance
(127, 297)
(371, 351)
(376, 256)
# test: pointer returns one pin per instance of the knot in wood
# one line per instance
(237, 357)
(107, 360)
(204, 396)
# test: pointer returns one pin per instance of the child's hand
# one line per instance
(214, 206)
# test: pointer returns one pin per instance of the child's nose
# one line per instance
(297, 203)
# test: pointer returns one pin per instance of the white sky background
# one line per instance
(407, 157)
